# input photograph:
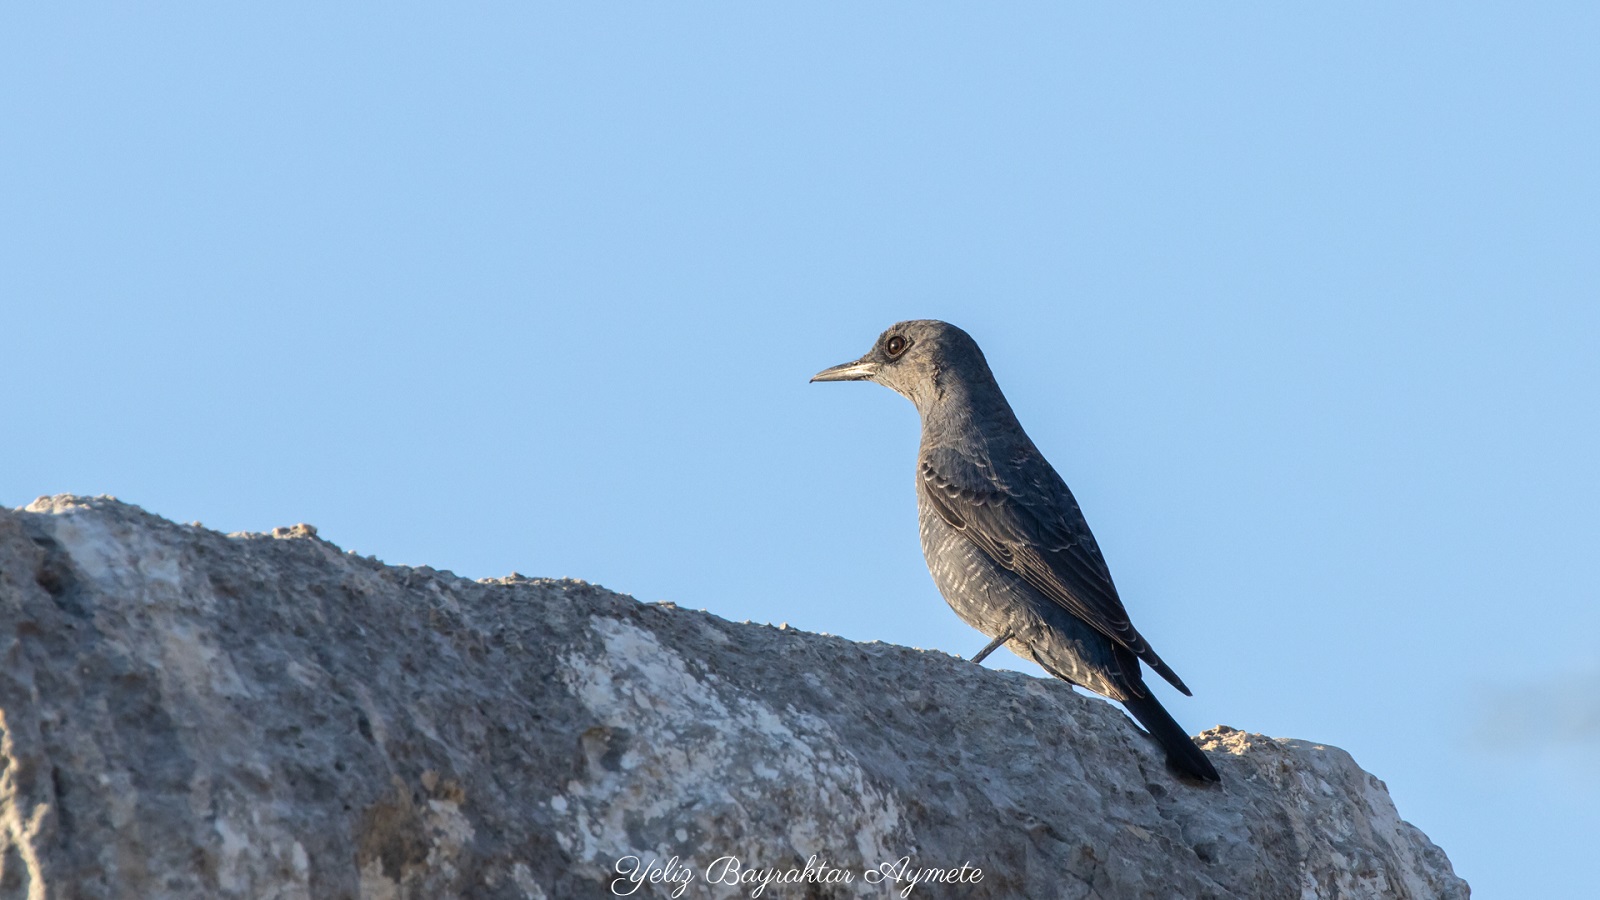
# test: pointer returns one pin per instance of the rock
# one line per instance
(188, 714)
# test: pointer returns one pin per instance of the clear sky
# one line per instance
(1303, 304)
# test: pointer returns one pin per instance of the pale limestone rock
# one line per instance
(188, 714)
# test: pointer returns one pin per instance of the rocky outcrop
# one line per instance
(190, 714)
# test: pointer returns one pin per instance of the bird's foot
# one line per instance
(993, 646)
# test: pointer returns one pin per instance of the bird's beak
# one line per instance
(860, 370)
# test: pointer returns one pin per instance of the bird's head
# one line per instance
(919, 359)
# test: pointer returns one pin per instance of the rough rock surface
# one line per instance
(190, 714)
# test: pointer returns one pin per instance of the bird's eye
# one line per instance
(896, 345)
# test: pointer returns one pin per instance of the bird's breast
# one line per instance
(985, 595)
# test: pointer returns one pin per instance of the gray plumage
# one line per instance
(1004, 539)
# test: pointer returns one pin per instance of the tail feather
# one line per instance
(1182, 752)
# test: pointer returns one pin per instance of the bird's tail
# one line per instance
(1182, 753)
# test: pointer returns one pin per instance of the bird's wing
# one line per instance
(1037, 531)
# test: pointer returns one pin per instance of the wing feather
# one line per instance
(1043, 539)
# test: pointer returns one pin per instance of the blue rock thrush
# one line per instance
(1003, 536)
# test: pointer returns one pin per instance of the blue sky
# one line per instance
(1302, 303)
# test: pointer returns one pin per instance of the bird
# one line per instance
(1005, 540)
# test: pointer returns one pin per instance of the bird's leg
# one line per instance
(993, 646)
